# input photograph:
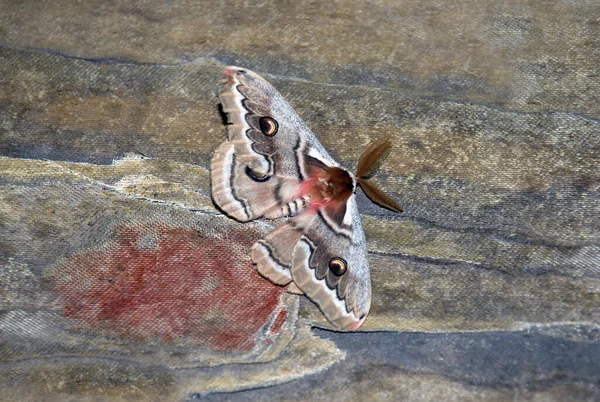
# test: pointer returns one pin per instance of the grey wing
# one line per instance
(330, 266)
(255, 173)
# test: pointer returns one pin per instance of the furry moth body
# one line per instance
(272, 166)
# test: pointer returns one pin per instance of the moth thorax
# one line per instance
(340, 184)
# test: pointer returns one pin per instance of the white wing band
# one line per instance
(317, 290)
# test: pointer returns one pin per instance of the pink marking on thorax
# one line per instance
(307, 186)
(319, 204)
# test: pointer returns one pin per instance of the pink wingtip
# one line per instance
(230, 70)
(357, 324)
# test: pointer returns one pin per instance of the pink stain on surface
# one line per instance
(279, 321)
(153, 282)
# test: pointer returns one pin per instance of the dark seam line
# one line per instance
(487, 267)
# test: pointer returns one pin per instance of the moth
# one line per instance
(272, 166)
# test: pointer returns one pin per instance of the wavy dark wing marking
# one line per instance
(256, 174)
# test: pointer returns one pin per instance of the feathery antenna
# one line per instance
(367, 163)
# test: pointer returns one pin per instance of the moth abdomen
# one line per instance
(294, 207)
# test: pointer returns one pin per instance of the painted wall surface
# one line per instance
(120, 280)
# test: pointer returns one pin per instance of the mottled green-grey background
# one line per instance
(487, 287)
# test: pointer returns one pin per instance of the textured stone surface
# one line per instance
(489, 282)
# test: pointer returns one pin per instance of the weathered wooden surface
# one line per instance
(108, 119)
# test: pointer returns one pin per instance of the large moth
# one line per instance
(272, 166)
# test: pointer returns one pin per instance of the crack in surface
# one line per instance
(116, 189)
